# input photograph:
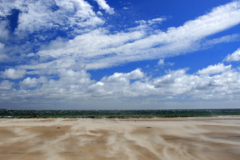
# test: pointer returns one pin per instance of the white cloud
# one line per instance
(161, 62)
(116, 85)
(223, 39)
(30, 55)
(32, 82)
(74, 77)
(151, 22)
(68, 59)
(125, 8)
(178, 83)
(83, 48)
(99, 13)
(156, 20)
(131, 87)
(123, 47)
(105, 6)
(3, 30)
(235, 56)
(13, 74)
(3, 56)
(40, 15)
(214, 69)
(136, 74)
(175, 84)
(5, 85)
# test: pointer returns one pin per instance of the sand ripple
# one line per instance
(133, 139)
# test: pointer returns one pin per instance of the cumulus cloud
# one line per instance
(114, 85)
(13, 73)
(175, 84)
(179, 83)
(136, 74)
(235, 56)
(74, 77)
(32, 82)
(105, 6)
(5, 85)
(214, 69)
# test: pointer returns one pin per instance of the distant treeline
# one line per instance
(116, 113)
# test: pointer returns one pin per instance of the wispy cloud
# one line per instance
(105, 6)
(161, 62)
(224, 39)
(114, 49)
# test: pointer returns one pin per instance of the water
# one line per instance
(116, 113)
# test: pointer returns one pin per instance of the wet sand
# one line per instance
(133, 139)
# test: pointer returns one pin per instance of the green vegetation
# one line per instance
(121, 114)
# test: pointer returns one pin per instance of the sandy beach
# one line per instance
(134, 139)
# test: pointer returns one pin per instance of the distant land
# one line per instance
(117, 113)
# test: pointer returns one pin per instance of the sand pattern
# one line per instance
(133, 139)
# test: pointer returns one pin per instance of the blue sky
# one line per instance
(105, 54)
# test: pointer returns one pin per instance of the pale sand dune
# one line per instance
(102, 139)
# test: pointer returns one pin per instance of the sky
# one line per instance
(107, 54)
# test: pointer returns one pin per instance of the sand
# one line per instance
(133, 139)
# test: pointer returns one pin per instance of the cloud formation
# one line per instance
(57, 42)
(161, 62)
(214, 69)
(50, 14)
(234, 56)
(5, 85)
(13, 74)
(3, 30)
(138, 44)
(105, 6)
(175, 84)
(32, 82)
